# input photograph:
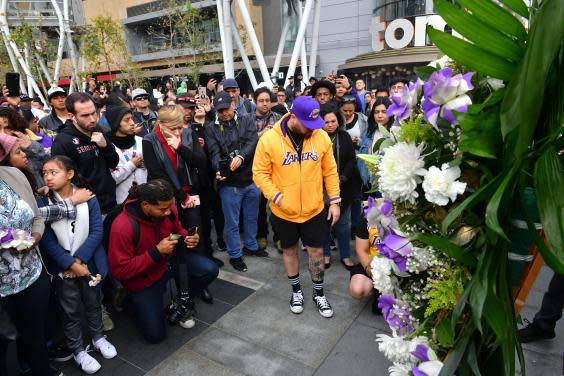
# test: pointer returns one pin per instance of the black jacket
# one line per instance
(93, 163)
(343, 150)
(191, 159)
(51, 122)
(238, 136)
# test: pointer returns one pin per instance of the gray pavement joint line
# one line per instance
(133, 364)
(287, 356)
(344, 333)
(240, 280)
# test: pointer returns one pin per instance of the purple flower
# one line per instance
(6, 235)
(417, 372)
(421, 353)
(403, 103)
(444, 93)
(397, 315)
(378, 214)
(396, 248)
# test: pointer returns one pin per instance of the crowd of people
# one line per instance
(110, 197)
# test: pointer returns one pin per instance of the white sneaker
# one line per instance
(87, 363)
(297, 302)
(187, 322)
(105, 348)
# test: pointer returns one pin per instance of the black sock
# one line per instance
(295, 282)
(318, 287)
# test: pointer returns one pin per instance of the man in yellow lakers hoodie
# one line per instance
(293, 162)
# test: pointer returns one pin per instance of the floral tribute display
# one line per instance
(478, 130)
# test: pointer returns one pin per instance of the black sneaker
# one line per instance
(59, 354)
(221, 246)
(532, 332)
(323, 306)
(259, 253)
(238, 264)
(297, 302)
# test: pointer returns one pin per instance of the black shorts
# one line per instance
(312, 232)
(358, 269)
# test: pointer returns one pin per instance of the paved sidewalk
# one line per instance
(249, 330)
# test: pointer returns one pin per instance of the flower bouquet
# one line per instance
(15, 239)
(476, 130)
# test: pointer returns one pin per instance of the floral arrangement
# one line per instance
(479, 128)
(15, 239)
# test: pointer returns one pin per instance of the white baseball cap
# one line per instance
(54, 90)
(137, 92)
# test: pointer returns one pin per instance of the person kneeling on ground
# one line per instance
(143, 240)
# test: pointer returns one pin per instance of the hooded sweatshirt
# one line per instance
(293, 183)
(94, 164)
(140, 266)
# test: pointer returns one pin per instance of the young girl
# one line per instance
(74, 256)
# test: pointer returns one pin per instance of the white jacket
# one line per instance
(125, 172)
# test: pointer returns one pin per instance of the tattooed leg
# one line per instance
(316, 263)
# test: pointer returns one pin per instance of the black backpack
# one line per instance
(135, 228)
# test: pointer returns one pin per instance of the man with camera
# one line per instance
(231, 142)
(144, 240)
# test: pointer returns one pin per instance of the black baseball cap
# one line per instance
(222, 100)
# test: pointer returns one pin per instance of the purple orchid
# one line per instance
(421, 352)
(403, 103)
(378, 213)
(397, 315)
(444, 93)
(6, 235)
(396, 248)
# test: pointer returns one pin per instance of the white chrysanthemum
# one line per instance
(441, 185)
(399, 171)
(399, 370)
(397, 349)
(382, 275)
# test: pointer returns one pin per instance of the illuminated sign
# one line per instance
(387, 34)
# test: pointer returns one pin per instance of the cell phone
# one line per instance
(174, 236)
(202, 92)
(13, 84)
(192, 230)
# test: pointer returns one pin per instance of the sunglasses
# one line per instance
(141, 97)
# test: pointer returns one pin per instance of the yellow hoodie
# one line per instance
(295, 188)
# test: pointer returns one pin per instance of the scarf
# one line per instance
(169, 152)
(122, 143)
(71, 234)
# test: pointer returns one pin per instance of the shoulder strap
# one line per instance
(135, 229)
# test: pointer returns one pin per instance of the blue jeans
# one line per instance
(233, 200)
(343, 234)
(147, 305)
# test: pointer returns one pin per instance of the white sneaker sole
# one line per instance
(327, 315)
(297, 309)
(188, 324)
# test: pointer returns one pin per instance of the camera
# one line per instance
(225, 163)
(179, 308)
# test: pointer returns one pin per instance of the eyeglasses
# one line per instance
(280, 95)
(51, 172)
(141, 97)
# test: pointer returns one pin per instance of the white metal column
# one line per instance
(229, 68)
(219, 4)
(281, 44)
(314, 39)
(303, 48)
(299, 41)
(244, 56)
(254, 42)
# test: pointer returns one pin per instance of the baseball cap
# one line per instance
(222, 100)
(230, 83)
(137, 92)
(185, 101)
(306, 109)
(25, 98)
(55, 90)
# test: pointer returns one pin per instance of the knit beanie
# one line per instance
(114, 114)
(7, 142)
